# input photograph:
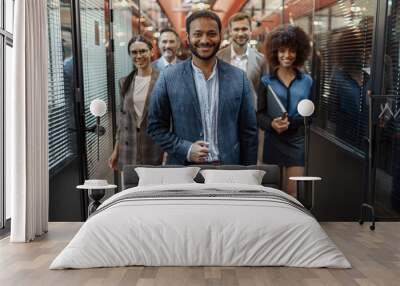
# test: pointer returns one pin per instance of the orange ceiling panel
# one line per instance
(227, 8)
(176, 17)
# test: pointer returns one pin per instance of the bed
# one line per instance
(197, 224)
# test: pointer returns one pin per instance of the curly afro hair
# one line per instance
(292, 37)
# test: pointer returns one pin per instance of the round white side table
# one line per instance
(302, 185)
(96, 193)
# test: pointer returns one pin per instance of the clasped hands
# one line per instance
(199, 152)
(280, 124)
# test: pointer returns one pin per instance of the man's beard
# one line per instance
(168, 53)
(194, 51)
(240, 44)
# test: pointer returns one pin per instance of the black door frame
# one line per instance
(111, 71)
(377, 86)
(79, 89)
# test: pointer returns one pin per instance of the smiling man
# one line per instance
(201, 111)
(240, 54)
(168, 43)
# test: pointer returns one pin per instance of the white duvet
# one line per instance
(200, 231)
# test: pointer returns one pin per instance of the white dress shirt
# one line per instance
(166, 63)
(207, 93)
(240, 61)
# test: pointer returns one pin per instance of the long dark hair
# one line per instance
(129, 78)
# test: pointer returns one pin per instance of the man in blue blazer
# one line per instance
(201, 110)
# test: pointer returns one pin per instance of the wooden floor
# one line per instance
(375, 257)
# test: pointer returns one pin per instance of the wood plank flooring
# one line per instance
(375, 257)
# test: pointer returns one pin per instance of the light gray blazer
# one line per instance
(256, 67)
(135, 145)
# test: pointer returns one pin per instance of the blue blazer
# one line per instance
(174, 118)
(159, 63)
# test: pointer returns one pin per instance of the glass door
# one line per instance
(65, 153)
(97, 83)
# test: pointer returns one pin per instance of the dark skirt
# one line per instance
(284, 150)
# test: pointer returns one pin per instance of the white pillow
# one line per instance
(164, 176)
(248, 177)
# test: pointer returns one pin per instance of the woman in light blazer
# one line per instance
(133, 145)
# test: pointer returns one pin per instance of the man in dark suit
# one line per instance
(168, 43)
(207, 101)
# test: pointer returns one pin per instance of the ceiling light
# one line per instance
(355, 9)
(200, 6)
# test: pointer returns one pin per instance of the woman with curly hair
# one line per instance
(287, 49)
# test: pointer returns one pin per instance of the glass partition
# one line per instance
(343, 35)
(387, 128)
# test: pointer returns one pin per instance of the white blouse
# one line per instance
(142, 84)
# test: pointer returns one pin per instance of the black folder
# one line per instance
(274, 105)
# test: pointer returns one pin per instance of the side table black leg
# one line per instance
(96, 196)
(304, 194)
(300, 191)
(312, 195)
(364, 208)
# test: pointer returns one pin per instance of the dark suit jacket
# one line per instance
(175, 100)
(136, 146)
